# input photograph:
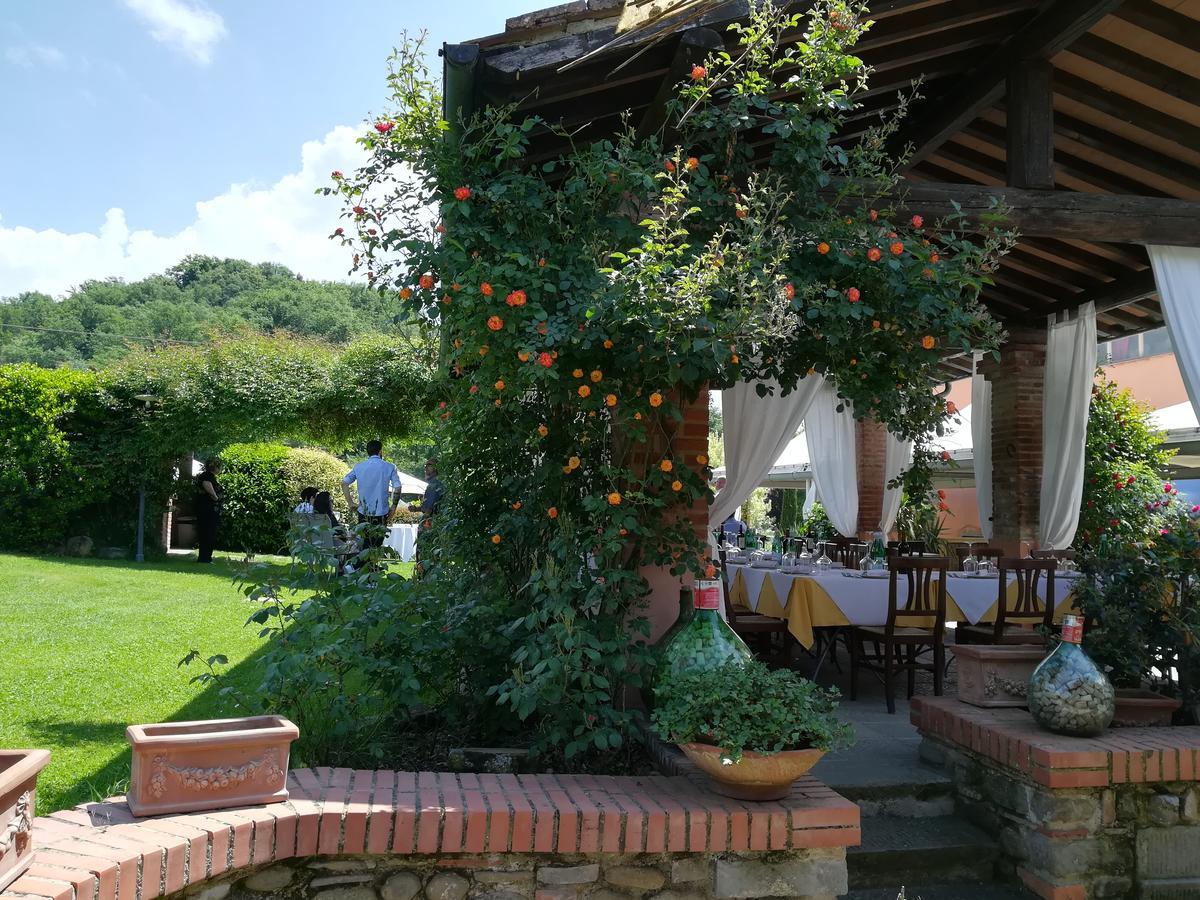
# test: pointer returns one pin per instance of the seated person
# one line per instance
(732, 527)
(306, 500)
(343, 541)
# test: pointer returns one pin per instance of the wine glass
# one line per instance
(970, 563)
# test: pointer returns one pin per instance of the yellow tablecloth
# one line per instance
(808, 606)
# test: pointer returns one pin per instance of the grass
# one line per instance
(91, 646)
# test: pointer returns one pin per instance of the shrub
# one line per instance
(304, 467)
(256, 498)
(742, 706)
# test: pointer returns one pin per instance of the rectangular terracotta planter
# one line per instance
(215, 764)
(1137, 708)
(995, 675)
(18, 798)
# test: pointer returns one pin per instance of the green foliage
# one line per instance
(307, 467)
(1124, 466)
(791, 516)
(817, 525)
(256, 498)
(755, 512)
(43, 483)
(585, 300)
(921, 505)
(746, 706)
(200, 298)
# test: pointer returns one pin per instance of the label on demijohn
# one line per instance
(708, 595)
(1072, 630)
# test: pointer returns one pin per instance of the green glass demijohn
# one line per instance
(1068, 694)
(701, 642)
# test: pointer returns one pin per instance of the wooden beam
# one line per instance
(1129, 153)
(1153, 74)
(1145, 118)
(694, 46)
(1163, 22)
(1052, 30)
(1069, 215)
(1126, 289)
(1030, 129)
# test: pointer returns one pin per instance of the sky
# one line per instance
(135, 132)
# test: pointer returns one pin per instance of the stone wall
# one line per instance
(1111, 817)
(382, 835)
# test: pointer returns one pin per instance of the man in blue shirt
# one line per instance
(376, 479)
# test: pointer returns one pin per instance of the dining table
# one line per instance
(842, 597)
(403, 539)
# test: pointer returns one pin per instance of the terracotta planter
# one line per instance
(1138, 708)
(995, 675)
(755, 776)
(18, 797)
(217, 764)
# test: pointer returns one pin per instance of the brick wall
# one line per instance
(1076, 818)
(871, 445)
(382, 835)
(1017, 385)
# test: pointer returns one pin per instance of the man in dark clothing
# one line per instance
(434, 489)
(208, 510)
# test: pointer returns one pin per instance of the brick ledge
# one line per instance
(1011, 738)
(100, 851)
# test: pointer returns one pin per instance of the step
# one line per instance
(931, 850)
(958, 891)
(890, 784)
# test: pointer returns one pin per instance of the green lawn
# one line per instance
(89, 646)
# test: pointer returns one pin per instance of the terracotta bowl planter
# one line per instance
(18, 798)
(221, 763)
(1138, 708)
(995, 675)
(756, 776)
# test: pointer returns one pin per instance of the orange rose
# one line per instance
(669, 166)
(573, 462)
(584, 391)
(638, 416)
(928, 342)
(523, 355)
(677, 485)
(666, 465)
(516, 298)
(483, 351)
(446, 300)
(577, 373)
(789, 290)
(853, 295)
(426, 282)
(897, 248)
(495, 323)
(596, 375)
(614, 499)
(874, 254)
(656, 399)
(542, 263)
(699, 73)
(485, 289)
(822, 248)
(500, 384)
(933, 258)
(702, 460)
(693, 164)
(496, 538)
(611, 400)
(951, 407)
(735, 359)
(875, 324)
(608, 345)
(405, 293)
(543, 430)
(517, 505)
(552, 512)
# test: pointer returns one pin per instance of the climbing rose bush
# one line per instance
(584, 299)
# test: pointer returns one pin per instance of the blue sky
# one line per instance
(148, 107)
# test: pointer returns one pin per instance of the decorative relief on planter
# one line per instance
(995, 675)
(18, 782)
(187, 766)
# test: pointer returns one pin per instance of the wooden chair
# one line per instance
(906, 548)
(750, 627)
(1050, 553)
(916, 628)
(1023, 609)
(992, 553)
(846, 551)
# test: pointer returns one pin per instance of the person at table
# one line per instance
(378, 493)
(434, 489)
(306, 501)
(732, 527)
(208, 510)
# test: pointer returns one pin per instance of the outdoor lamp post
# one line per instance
(140, 554)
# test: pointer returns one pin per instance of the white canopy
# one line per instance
(411, 485)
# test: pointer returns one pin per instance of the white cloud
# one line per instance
(31, 55)
(284, 223)
(188, 25)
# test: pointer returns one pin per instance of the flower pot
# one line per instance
(756, 776)
(995, 675)
(18, 797)
(216, 764)
(1137, 708)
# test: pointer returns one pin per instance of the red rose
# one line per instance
(545, 360)
(359, 211)
(945, 456)
(874, 215)
(462, 193)
(917, 221)
(852, 295)
(698, 73)
(383, 127)
(336, 174)
(516, 298)
(339, 231)
(426, 282)
(874, 254)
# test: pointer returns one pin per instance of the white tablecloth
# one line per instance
(863, 601)
(403, 539)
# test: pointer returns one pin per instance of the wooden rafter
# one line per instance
(1159, 76)
(1119, 292)
(1144, 118)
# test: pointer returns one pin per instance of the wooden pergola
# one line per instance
(1084, 116)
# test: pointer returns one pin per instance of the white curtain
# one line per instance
(896, 458)
(981, 444)
(757, 429)
(1177, 275)
(810, 496)
(1067, 395)
(831, 448)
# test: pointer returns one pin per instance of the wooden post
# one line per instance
(1030, 131)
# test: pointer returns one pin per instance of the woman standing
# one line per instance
(208, 509)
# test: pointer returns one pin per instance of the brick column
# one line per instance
(1017, 383)
(870, 439)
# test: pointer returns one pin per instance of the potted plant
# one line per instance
(996, 674)
(752, 730)
(215, 764)
(18, 797)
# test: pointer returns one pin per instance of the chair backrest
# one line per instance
(303, 523)
(993, 553)
(926, 603)
(906, 548)
(845, 550)
(1022, 606)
